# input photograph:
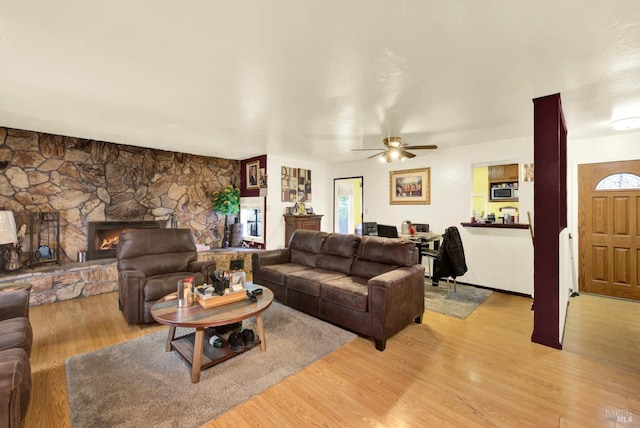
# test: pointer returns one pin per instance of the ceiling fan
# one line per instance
(395, 149)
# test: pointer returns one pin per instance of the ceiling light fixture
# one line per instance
(626, 123)
(395, 149)
(394, 142)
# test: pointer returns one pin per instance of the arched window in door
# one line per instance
(620, 181)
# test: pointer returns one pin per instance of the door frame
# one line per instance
(335, 196)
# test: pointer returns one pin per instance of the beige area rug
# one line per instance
(459, 304)
(137, 383)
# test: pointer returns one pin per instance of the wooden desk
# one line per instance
(428, 236)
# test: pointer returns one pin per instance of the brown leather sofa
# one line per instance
(16, 338)
(150, 263)
(370, 285)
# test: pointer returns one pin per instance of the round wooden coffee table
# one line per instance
(192, 346)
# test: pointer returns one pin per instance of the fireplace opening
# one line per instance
(102, 236)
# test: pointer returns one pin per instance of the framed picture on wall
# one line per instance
(253, 169)
(263, 178)
(296, 184)
(410, 187)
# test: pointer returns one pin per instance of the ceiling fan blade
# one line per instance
(376, 155)
(359, 150)
(406, 154)
(421, 147)
(429, 147)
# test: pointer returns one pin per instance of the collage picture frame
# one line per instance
(295, 184)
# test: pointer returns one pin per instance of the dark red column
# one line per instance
(550, 215)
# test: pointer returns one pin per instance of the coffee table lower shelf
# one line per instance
(211, 356)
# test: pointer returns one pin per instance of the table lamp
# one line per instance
(9, 235)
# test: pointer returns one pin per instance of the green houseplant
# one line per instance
(226, 202)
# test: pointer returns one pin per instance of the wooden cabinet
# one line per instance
(511, 172)
(503, 172)
(504, 176)
(496, 172)
(295, 222)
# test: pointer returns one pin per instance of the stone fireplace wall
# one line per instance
(88, 180)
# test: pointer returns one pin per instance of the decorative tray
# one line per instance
(216, 300)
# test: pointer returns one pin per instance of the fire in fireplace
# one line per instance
(102, 236)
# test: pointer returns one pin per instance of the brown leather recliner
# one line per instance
(15, 347)
(150, 263)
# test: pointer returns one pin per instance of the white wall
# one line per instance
(497, 258)
(321, 197)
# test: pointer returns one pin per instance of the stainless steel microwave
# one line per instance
(498, 193)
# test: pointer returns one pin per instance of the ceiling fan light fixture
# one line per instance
(626, 124)
(393, 142)
(394, 149)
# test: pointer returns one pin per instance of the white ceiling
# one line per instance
(313, 79)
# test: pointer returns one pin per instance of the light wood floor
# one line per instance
(482, 371)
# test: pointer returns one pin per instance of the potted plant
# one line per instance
(226, 202)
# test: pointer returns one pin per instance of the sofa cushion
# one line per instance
(379, 255)
(15, 385)
(341, 245)
(305, 246)
(276, 274)
(15, 303)
(397, 252)
(366, 269)
(338, 252)
(349, 291)
(16, 333)
(308, 281)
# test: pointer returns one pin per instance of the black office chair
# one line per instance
(370, 228)
(450, 261)
(387, 231)
(431, 255)
(421, 227)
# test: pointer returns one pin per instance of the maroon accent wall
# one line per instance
(244, 192)
(550, 208)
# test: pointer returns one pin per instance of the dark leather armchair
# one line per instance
(150, 264)
(15, 347)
